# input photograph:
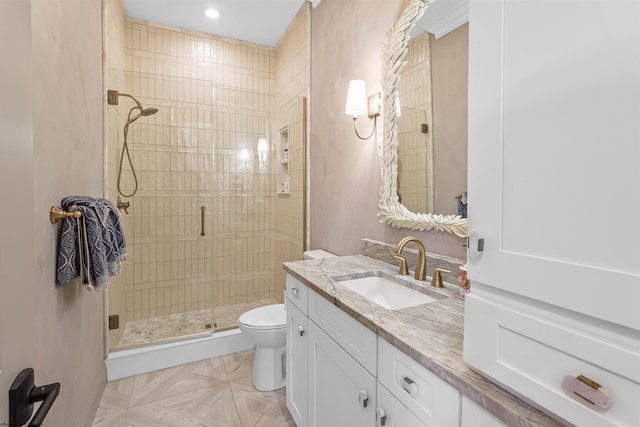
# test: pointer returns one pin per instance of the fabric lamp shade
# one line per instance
(356, 98)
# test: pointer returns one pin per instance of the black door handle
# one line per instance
(24, 393)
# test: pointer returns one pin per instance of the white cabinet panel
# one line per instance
(474, 416)
(297, 362)
(297, 292)
(341, 392)
(554, 152)
(435, 402)
(359, 341)
(392, 413)
(532, 351)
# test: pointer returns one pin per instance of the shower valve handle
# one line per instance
(123, 205)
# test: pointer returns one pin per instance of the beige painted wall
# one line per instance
(345, 172)
(59, 331)
(17, 284)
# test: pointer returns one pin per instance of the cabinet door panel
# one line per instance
(532, 351)
(296, 375)
(359, 341)
(554, 158)
(435, 402)
(397, 415)
(336, 384)
(474, 416)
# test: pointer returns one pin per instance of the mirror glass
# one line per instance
(425, 118)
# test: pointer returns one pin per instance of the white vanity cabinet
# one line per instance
(331, 362)
(339, 373)
(554, 180)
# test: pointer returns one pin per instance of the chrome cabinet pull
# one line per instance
(382, 417)
(202, 208)
(363, 399)
(410, 386)
(300, 331)
(294, 291)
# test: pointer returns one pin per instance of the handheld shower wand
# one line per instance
(112, 99)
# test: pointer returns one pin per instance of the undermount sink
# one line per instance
(384, 290)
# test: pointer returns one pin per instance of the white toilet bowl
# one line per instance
(267, 328)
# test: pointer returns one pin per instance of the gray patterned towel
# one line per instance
(92, 246)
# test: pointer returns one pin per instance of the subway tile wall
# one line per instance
(292, 84)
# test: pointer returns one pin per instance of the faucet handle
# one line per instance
(403, 265)
(436, 280)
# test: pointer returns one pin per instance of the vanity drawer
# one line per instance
(355, 338)
(533, 351)
(297, 293)
(432, 400)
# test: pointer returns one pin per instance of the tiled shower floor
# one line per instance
(172, 326)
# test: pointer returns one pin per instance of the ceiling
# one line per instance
(256, 21)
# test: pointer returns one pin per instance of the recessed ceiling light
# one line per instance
(212, 13)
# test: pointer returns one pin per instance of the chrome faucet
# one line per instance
(421, 266)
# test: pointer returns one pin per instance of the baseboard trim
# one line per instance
(125, 363)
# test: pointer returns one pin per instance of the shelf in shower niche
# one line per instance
(283, 159)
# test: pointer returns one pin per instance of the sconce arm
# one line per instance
(355, 127)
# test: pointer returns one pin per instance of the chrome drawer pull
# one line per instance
(410, 386)
(300, 331)
(363, 399)
(382, 417)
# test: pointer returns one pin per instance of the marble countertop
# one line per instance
(431, 334)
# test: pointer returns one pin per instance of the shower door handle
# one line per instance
(202, 208)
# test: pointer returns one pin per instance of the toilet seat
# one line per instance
(267, 317)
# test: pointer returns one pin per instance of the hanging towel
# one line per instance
(462, 205)
(93, 246)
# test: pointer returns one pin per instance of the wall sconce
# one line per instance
(263, 149)
(244, 156)
(358, 104)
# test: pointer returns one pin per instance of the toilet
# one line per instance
(266, 327)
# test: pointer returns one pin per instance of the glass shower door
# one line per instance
(164, 292)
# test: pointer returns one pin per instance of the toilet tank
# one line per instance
(317, 254)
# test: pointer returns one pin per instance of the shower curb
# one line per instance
(125, 363)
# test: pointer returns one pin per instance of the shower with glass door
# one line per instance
(199, 219)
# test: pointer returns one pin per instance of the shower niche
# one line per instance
(283, 160)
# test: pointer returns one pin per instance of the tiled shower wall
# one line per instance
(415, 148)
(292, 84)
(215, 97)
